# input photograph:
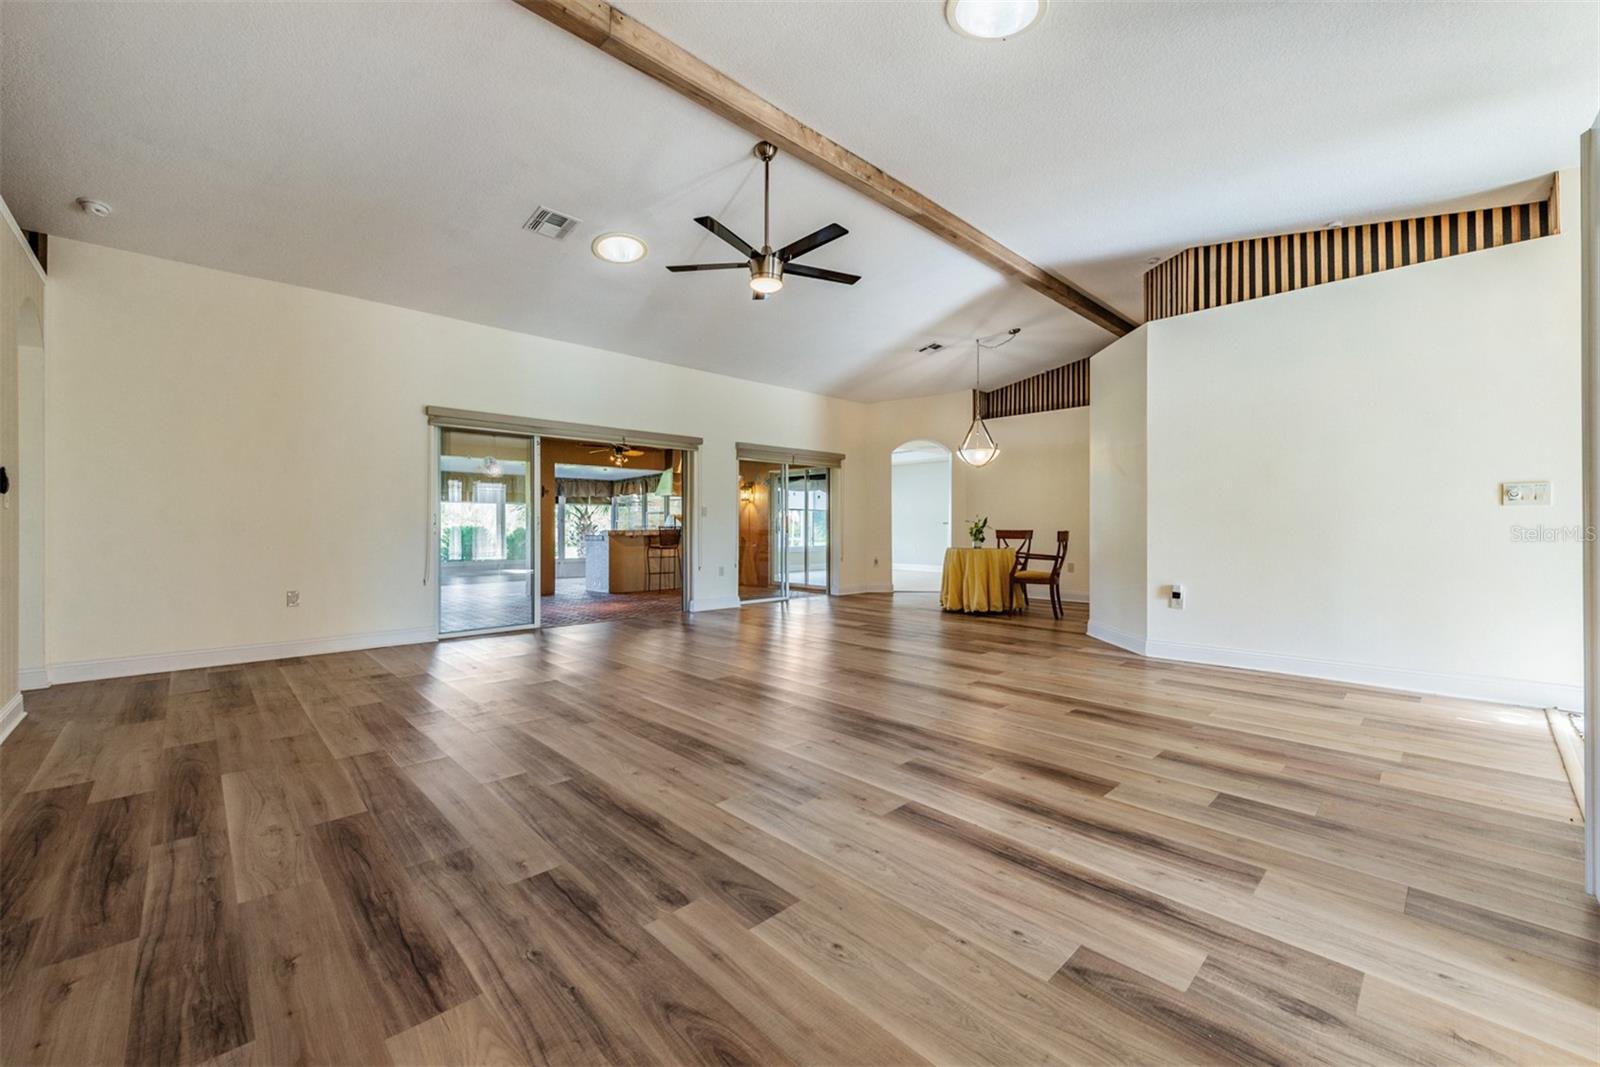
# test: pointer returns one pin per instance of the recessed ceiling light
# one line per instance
(98, 208)
(992, 19)
(619, 248)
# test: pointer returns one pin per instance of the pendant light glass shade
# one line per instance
(978, 447)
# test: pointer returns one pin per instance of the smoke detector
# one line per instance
(547, 222)
(98, 208)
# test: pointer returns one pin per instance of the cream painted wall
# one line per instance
(29, 487)
(21, 321)
(1118, 492)
(1323, 474)
(867, 530)
(215, 440)
(1040, 480)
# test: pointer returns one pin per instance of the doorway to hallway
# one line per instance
(919, 515)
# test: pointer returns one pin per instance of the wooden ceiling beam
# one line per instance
(647, 51)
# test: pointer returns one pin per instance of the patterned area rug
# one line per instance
(571, 605)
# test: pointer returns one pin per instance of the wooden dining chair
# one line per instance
(1025, 575)
(1022, 541)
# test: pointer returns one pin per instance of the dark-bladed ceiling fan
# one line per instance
(768, 268)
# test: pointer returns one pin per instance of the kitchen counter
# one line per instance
(616, 562)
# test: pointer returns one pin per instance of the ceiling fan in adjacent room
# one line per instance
(768, 268)
(618, 454)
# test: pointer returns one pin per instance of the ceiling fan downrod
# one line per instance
(768, 268)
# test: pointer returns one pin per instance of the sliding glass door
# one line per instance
(763, 535)
(486, 531)
(807, 504)
(783, 529)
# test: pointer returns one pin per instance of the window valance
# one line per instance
(600, 491)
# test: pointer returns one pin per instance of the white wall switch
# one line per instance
(1175, 597)
(1518, 493)
(291, 599)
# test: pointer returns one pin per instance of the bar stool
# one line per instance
(663, 552)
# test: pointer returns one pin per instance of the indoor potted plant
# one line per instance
(976, 529)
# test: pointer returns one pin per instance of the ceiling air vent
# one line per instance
(552, 224)
(931, 346)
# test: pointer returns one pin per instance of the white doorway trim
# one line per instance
(1589, 238)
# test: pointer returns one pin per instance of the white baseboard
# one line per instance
(1113, 636)
(715, 603)
(10, 715)
(873, 587)
(160, 663)
(931, 568)
(1074, 598)
(31, 678)
(1494, 689)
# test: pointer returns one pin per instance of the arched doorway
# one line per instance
(919, 515)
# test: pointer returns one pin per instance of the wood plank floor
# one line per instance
(850, 831)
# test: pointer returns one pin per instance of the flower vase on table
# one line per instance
(976, 530)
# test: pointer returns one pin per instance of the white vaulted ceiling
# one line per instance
(1113, 132)
(393, 151)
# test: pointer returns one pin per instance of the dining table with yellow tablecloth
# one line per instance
(978, 580)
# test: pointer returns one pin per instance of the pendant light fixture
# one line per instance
(978, 447)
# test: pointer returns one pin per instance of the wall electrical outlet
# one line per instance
(1072, 568)
(291, 599)
(1175, 597)
(721, 571)
(1515, 493)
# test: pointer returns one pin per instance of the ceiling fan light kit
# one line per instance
(768, 268)
(766, 274)
(618, 454)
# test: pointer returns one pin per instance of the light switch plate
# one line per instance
(1514, 494)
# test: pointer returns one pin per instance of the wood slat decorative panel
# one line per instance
(1052, 390)
(1208, 276)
